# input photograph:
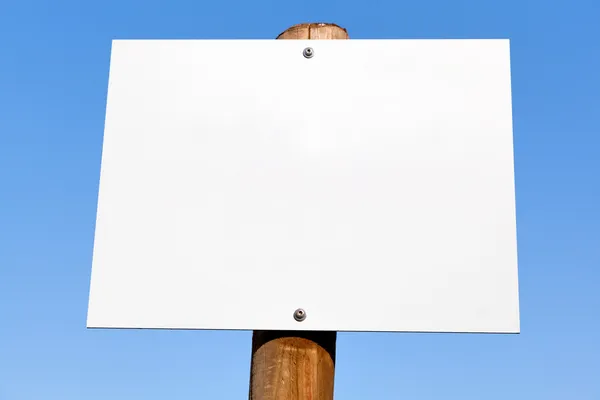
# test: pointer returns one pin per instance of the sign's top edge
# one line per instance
(331, 41)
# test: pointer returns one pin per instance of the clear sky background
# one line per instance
(54, 65)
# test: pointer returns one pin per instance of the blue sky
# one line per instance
(53, 78)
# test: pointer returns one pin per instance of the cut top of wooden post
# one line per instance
(314, 31)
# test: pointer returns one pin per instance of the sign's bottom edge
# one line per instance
(483, 332)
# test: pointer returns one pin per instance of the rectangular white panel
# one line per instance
(370, 185)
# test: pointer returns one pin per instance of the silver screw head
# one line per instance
(300, 315)
(308, 52)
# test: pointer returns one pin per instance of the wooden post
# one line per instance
(295, 365)
(314, 31)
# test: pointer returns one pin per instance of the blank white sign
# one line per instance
(371, 185)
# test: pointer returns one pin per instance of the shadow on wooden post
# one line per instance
(295, 365)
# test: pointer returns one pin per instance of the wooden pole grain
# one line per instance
(314, 31)
(295, 365)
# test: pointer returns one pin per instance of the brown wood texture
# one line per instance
(314, 31)
(295, 365)
(292, 365)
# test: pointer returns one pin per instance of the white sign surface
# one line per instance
(370, 185)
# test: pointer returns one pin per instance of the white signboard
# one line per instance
(370, 185)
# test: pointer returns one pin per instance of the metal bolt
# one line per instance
(308, 52)
(299, 315)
